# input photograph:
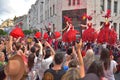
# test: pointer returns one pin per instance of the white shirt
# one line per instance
(109, 74)
(43, 66)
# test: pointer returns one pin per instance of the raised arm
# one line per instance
(52, 50)
(81, 63)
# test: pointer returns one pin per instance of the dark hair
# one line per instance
(69, 51)
(23, 49)
(59, 58)
(18, 45)
(97, 68)
(47, 55)
(105, 58)
(2, 74)
(31, 58)
(32, 49)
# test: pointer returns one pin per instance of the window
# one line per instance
(53, 9)
(50, 11)
(115, 26)
(74, 2)
(69, 2)
(102, 5)
(115, 6)
(109, 4)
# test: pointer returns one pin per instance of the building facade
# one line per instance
(45, 12)
(22, 22)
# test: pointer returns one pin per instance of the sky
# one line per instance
(12, 8)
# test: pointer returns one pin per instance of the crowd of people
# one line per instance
(47, 58)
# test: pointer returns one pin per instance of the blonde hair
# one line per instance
(89, 58)
(72, 74)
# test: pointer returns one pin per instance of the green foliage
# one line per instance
(27, 32)
(2, 32)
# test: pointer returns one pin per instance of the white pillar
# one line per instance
(106, 5)
(112, 7)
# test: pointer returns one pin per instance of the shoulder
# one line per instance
(53, 73)
(113, 62)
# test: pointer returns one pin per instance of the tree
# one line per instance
(2, 32)
(27, 32)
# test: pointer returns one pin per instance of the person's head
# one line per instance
(18, 46)
(33, 50)
(37, 49)
(15, 68)
(47, 53)
(89, 54)
(31, 58)
(73, 64)
(90, 76)
(97, 68)
(2, 57)
(72, 74)
(69, 51)
(58, 58)
(105, 58)
(88, 58)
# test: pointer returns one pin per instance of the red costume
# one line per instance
(107, 35)
(48, 36)
(89, 35)
(70, 34)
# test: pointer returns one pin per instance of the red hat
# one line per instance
(67, 19)
(89, 17)
(86, 16)
(57, 34)
(17, 32)
(38, 34)
(107, 15)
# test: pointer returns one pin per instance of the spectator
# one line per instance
(108, 63)
(45, 60)
(15, 69)
(32, 74)
(97, 68)
(88, 59)
(74, 72)
(56, 72)
(2, 65)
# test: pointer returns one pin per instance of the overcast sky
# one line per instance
(11, 8)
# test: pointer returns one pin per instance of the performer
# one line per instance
(69, 34)
(107, 34)
(49, 35)
(90, 34)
